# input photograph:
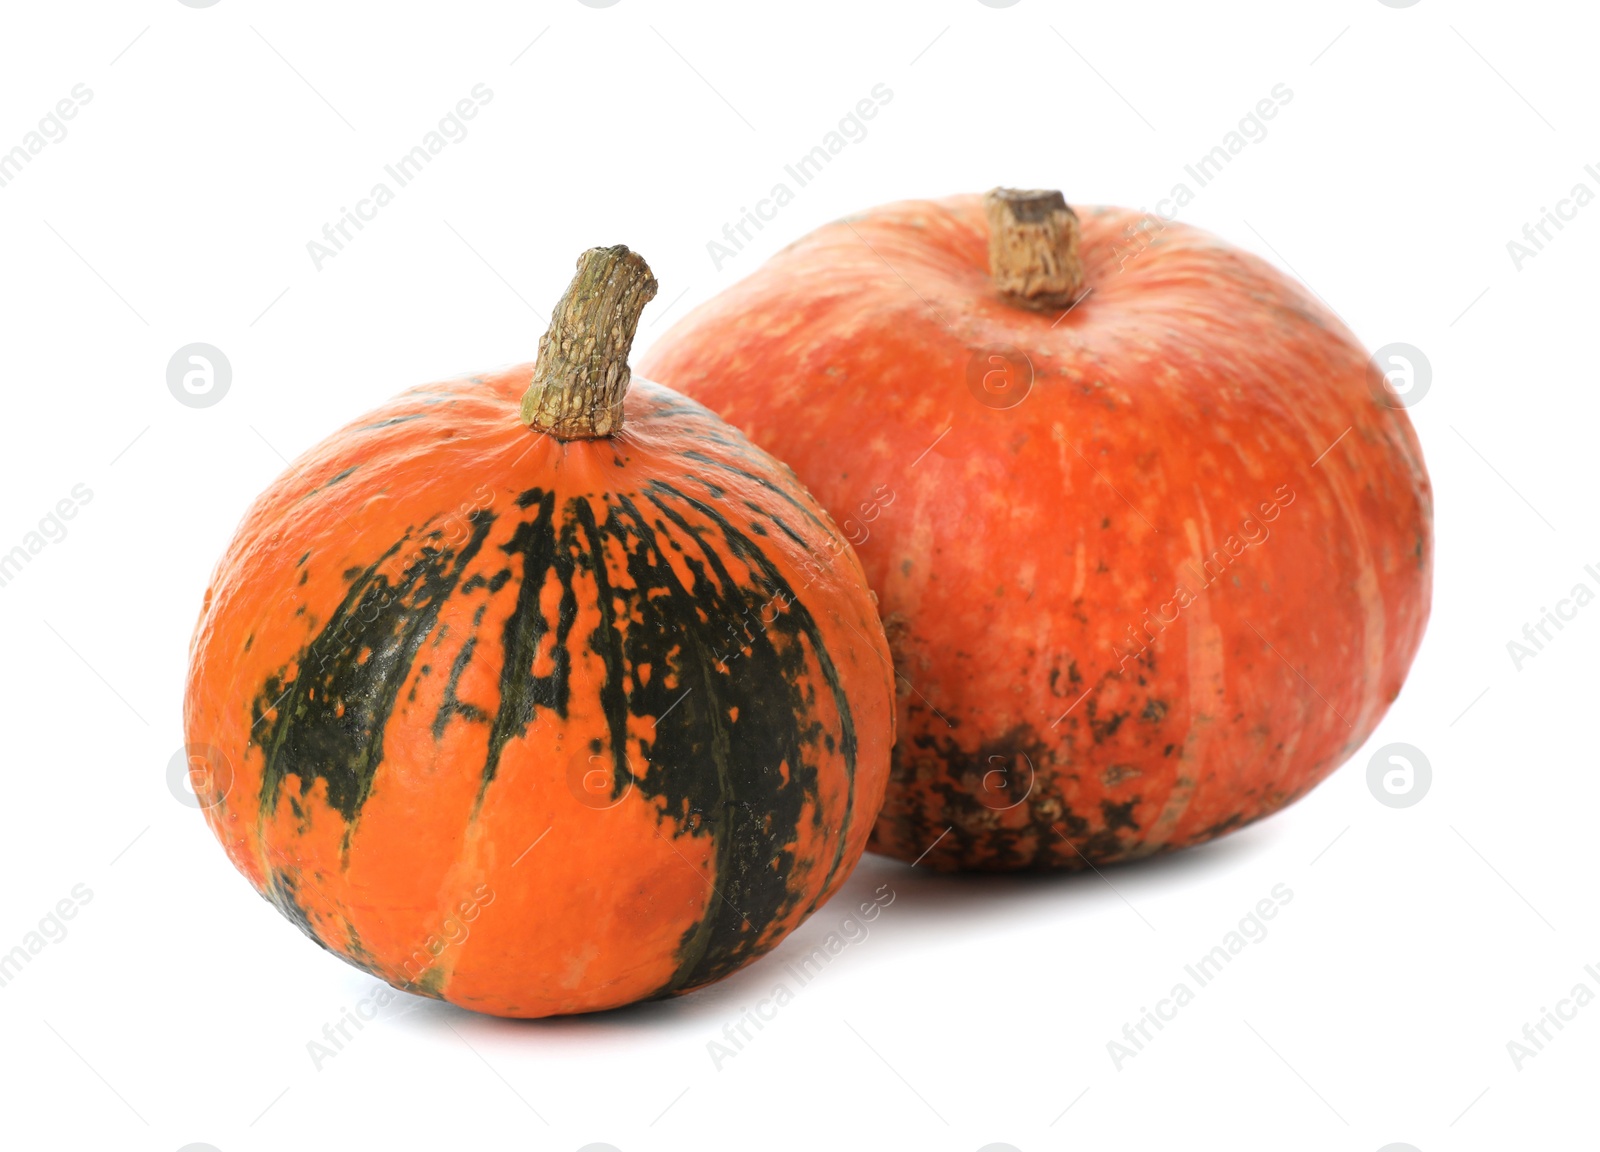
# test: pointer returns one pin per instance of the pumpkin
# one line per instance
(542, 715)
(1151, 539)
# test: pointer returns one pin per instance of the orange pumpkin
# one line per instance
(550, 717)
(1152, 547)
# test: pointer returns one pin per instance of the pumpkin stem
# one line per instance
(1033, 248)
(582, 371)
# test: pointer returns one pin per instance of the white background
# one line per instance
(1419, 941)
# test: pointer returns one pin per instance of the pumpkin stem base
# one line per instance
(1033, 248)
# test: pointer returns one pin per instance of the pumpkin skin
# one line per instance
(1076, 686)
(540, 727)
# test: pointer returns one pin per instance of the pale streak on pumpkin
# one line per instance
(1080, 550)
(1286, 760)
(920, 554)
(1204, 655)
(1373, 614)
(1206, 659)
(1080, 565)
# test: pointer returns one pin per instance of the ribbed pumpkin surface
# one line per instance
(540, 726)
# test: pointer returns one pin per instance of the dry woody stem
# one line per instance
(582, 371)
(1033, 248)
